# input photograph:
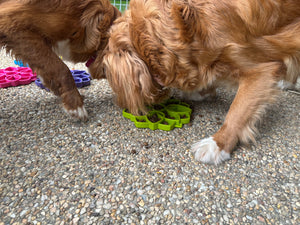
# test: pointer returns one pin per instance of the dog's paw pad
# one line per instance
(207, 151)
(80, 113)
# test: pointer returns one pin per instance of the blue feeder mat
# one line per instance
(81, 78)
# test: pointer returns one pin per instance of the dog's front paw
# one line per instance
(79, 113)
(207, 151)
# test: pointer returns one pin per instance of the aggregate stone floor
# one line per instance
(55, 170)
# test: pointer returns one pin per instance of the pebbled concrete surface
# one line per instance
(55, 170)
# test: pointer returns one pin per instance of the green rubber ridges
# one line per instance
(166, 116)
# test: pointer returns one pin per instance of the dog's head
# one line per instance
(129, 76)
(88, 43)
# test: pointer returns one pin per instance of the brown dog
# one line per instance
(33, 30)
(198, 45)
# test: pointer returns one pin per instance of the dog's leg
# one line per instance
(257, 88)
(60, 81)
(55, 75)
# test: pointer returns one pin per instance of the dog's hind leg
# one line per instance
(55, 75)
(257, 88)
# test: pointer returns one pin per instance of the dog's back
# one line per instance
(50, 22)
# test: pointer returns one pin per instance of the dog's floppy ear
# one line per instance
(187, 20)
(160, 60)
(127, 73)
(131, 80)
(97, 18)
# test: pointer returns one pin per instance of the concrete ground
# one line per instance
(55, 170)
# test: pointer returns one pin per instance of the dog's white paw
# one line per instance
(207, 151)
(80, 113)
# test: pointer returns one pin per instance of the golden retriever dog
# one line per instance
(37, 31)
(198, 45)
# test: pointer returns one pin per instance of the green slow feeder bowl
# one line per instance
(141, 122)
(166, 116)
(128, 115)
(154, 118)
(182, 111)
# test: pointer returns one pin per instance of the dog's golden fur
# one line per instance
(198, 45)
(31, 29)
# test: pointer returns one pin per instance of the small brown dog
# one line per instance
(33, 30)
(198, 45)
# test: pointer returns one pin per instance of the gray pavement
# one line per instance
(55, 170)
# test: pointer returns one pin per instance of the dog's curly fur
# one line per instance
(33, 30)
(198, 45)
